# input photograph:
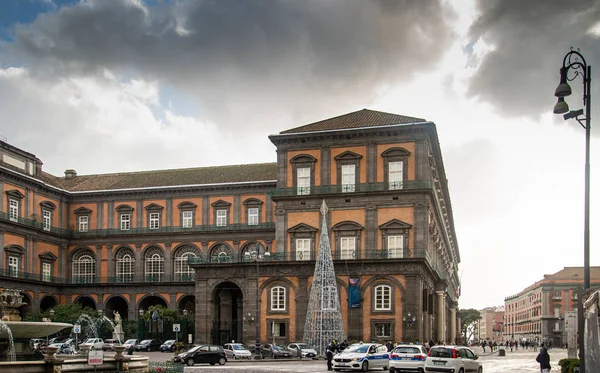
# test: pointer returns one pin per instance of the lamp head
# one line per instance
(561, 106)
(141, 312)
(563, 89)
(52, 313)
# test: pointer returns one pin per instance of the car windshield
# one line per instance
(194, 349)
(145, 341)
(304, 346)
(407, 350)
(441, 352)
(170, 342)
(357, 348)
(91, 340)
(239, 347)
(277, 348)
(130, 341)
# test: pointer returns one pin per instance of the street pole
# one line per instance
(257, 354)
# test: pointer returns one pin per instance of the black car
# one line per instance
(148, 345)
(202, 354)
(169, 346)
(275, 351)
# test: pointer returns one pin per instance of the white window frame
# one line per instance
(396, 175)
(303, 180)
(125, 221)
(347, 248)
(84, 223)
(154, 218)
(276, 328)
(395, 246)
(46, 271)
(46, 220)
(278, 298)
(13, 209)
(84, 268)
(383, 298)
(187, 219)
(125, 267)
(221, 218)
(154, 265)
(182, 267)
(253, 216)
(303, 249)
(348, 178)
(13, 265)
(383, 329)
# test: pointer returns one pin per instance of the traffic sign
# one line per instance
(77, 329)
(176, 327)
(95, 357)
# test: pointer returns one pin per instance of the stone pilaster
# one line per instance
(371, 162)
(441, 307)
(169, 212)
(452, 325)
(168, 265)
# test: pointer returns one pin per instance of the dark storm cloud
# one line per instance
(242, 59)
(530, 40)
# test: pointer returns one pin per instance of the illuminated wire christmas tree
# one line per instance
(324, 316)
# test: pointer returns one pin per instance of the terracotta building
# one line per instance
(538, 312)
(235, 245)
(490, 326)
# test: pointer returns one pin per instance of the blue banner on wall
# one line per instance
(354, 292)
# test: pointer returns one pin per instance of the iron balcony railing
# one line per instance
(352, 188)
(225, 258)
(34, 224)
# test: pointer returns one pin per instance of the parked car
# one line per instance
(63, 348)
(307, 351)
(202, 354)
(236, 351)
(408, 358)
(55, 340)
(275, 351)
(362, 356)
(168, 346)
(130, 342)
(452, 358)
(148, 345)
(96, 343)
(110, 343)
(35, 342)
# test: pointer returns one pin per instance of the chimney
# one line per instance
(70, 174)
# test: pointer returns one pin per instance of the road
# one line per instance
(521, 361)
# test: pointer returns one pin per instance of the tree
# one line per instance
(468, 319)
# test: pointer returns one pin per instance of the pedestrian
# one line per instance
(512, 344)
(130, 349)
(331, 349)
(298, 352)
(544, 359)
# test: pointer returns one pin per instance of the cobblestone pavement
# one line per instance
(520, 361)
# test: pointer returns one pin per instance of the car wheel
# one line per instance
(190, 362)
(235, 357)
(222, 361)
(480, 370)
(392, 370)
(385, 367)
(365, 366)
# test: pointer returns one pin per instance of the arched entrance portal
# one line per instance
(227, 314)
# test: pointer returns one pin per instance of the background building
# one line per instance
(491, 324)
(538, 312)
(234, 246)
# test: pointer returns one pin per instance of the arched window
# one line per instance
(125, 265)
(155, 264)
(84, 266)
(221, 254)
(183, 271)
(383, 298)
(278, 298)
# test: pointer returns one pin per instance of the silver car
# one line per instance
(408, 358)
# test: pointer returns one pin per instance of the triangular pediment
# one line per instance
(82, 211)
(347, 226)
(153, 207)
(220, 203)
(253, 202)
(302, 228)
(395, 152)
(48, 205)
(395, 224)
(303, 158)
(15, 194)
(347, 155)
(187, 205)
(124, 208)
(48, 256)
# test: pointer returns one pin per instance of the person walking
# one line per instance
(331, 349)
(544, 359)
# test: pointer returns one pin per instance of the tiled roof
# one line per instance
(166, 178)
(573, 273)
(357, 119)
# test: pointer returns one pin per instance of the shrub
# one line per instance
(568, 365)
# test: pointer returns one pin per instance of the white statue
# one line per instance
(118, 327)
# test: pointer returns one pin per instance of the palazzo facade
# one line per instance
(236, 245)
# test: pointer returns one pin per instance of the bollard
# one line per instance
(501, 352)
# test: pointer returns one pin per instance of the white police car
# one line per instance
(362, 356)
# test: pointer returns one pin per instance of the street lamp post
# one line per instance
(574, 61)
(141, 324)
(256, 257)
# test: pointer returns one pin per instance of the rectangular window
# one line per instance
(253, 216)
(348, 178)
(383, 329)
(125, 222)
(303, 180)
(303, 249)
(46, 271)
(278, 329)
(83, 223)
(14, 210)
(395, 176)
(13, 266)
(47, 221)
(187, 219)
(221, 218)
(395, 246)
(154, 220)
(348, 247)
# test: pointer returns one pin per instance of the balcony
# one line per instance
(350, 189)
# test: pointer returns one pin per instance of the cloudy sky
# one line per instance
(124, 85)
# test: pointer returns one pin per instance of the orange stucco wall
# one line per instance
(308, 217)
(38, 209)
(263, 212)
(362, 150)
(163, 215)
(43, 247)
(367, 296)
(93, 222)
(410, 146)
(315, 153)
(405, 214)
(116, 221)
(197, 213)
(8, 187)
(212, 209)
